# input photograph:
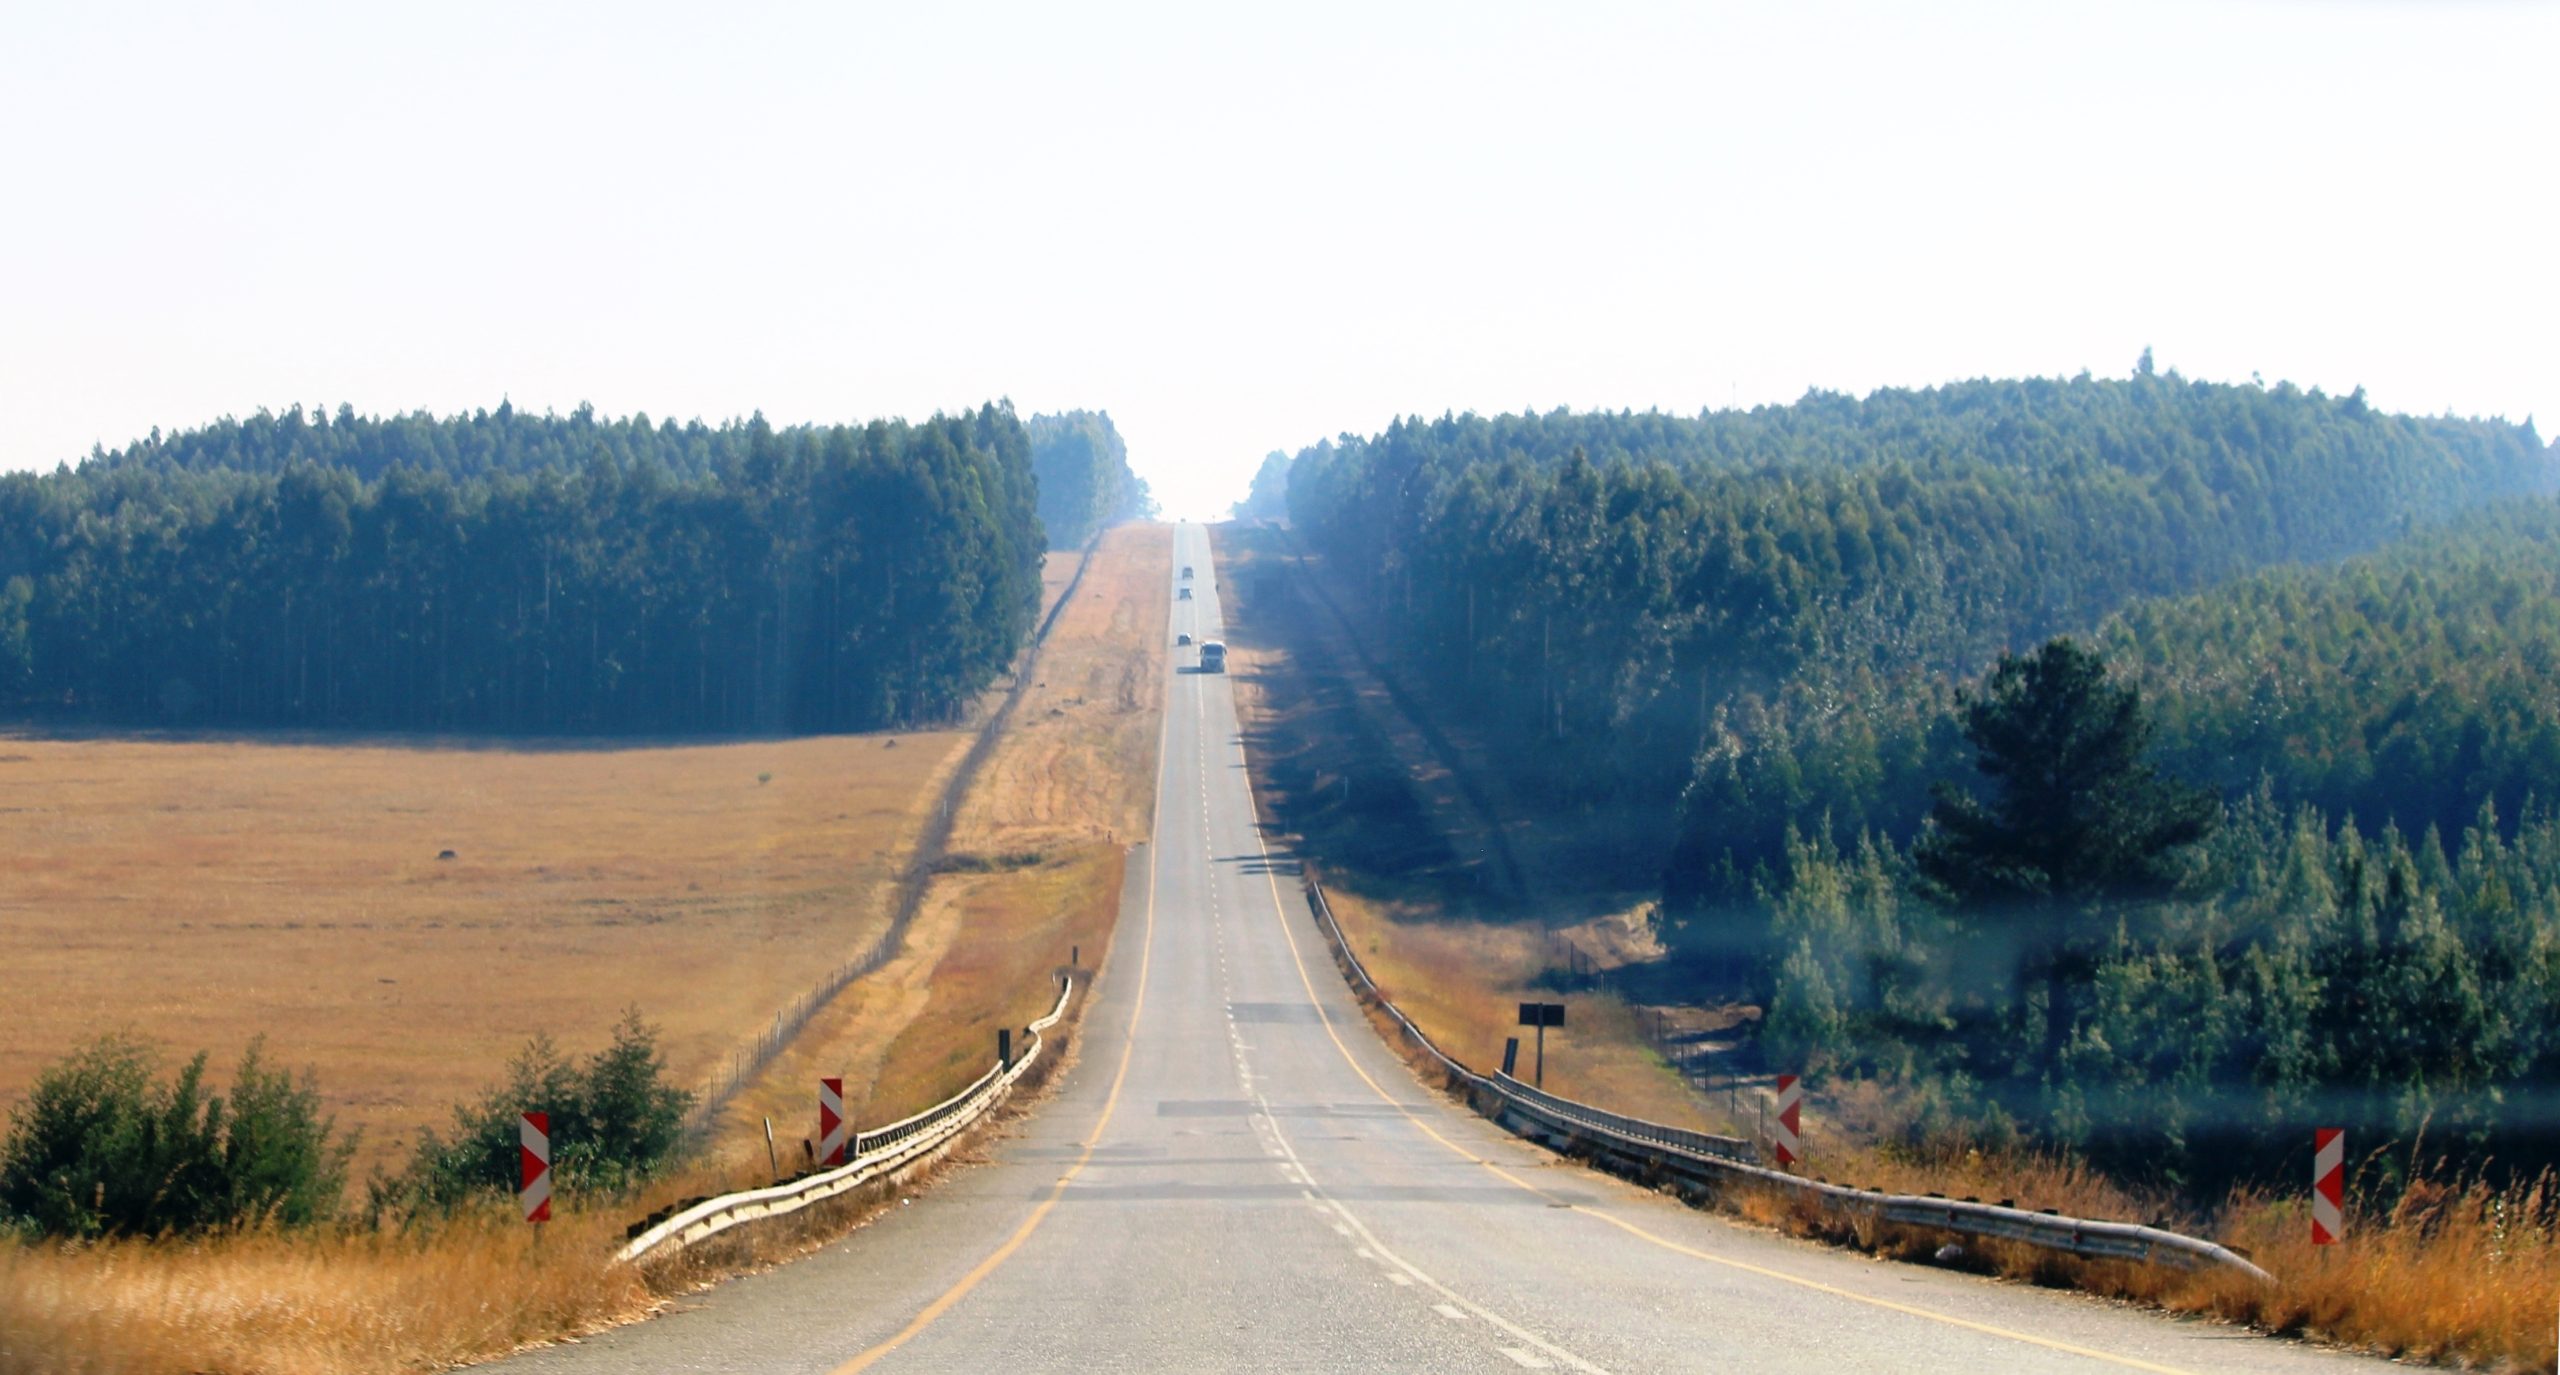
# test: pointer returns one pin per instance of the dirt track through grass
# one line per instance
(1064, 793)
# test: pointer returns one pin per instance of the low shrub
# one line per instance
(615, 1123)
(103, 1147)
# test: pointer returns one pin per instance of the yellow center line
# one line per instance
(933, 1311)
(1280, 910)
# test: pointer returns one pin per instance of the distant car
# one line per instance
(1182, 639)
(1186, 570)
(1186, 594)
(1213, 656)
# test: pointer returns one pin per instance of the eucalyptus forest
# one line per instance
(514, 573)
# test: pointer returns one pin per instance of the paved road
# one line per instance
(1237, 1175)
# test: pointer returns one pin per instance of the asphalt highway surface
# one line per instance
(1237, 1174)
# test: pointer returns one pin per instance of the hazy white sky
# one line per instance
(1245, 230)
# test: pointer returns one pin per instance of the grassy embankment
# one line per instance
(981, 953)
(2460, 1275)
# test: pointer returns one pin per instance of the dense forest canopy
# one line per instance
(2405, 688)
(2401, 986)
(1085, 482)
(515, 573)
(1644, 591)
(2367, 932)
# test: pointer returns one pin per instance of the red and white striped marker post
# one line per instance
(2328, 1186)
(1790, 1133)
(534, 1160)
(831, 1128)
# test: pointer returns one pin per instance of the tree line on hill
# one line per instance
(1640, 594)
(510, 573)
(483, 444)
(1085, 482)
(2301, 869)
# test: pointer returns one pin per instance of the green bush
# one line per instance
(615, 1121)
(101, 1148)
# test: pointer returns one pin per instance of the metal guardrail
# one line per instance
(873, 1154)
(1709, 1160)
(1565, 1111)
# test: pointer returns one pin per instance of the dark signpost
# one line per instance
(1542, 1016)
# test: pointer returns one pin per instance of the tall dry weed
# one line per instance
(2457, 1271)
(279, 1303)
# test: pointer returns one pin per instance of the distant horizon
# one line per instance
(1243, 231)
(1138, 459)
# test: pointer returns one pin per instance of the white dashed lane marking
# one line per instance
(1455, 1307)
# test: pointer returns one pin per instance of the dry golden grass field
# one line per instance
(200, 893)
(982, 952)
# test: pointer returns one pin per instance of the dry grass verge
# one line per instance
(2458, 1274)
(381, 1302)
(314, 1303)
(2462, 1274)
